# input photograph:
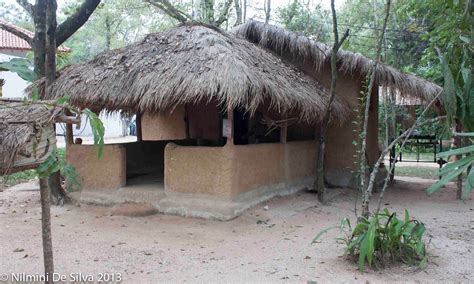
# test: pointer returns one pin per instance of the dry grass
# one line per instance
(193, 63)
(285, 42)
(20, 123)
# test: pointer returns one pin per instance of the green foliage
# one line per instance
(417, 171)
(18, 177)
(21, 66)
(24, 69)
(120, 22)
(57, 162)
(98, 130)
(447, 27)
(453, 169)
(307, 19)
(384, 238)
(13, 13)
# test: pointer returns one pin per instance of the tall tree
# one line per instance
(205, 11)
(311, 21)
(267, 7)
(371, 83)
(320, 169)
(38, 13)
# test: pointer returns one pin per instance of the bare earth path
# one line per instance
(262, 245)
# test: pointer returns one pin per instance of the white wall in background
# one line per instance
(14, 85)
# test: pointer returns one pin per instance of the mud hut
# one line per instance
(313, 58)
(223, 121)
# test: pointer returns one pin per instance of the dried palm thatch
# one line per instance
(191, 63)
(26, 132)
(297, 46)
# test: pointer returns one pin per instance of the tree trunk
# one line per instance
(50, 64)
(46, 231)
(386, 106)
(238, 12)
(108, 32)
(207, 9)
(457, 143)
(367, 189)
(39, 39)
(75, 21)
(320, 168)
(267, 7)
(319, 183)
(54, 180)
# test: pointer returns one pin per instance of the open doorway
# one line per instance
(145, 163)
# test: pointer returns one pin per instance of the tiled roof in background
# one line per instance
(11, 41)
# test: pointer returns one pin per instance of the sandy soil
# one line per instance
(262, 245)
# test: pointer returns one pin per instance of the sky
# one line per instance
(275, 3)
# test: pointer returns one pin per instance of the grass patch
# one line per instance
(416, 171)
(411, 156)
(18, 177)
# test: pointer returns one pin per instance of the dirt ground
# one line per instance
(261, 245)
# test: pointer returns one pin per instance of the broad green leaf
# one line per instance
(454, 152)
(465, 39)
(453, 165)
(449, 90)
(20, 66)
(98, 130)
(49, 166)
(62, 100)
(322, 232)
(464, 134)
(469, 184)
(435, 187)
(371, 242)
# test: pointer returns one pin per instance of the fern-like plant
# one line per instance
(384, 238)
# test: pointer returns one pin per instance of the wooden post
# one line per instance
(46, 232)
(69, 132)
(230, 118)
(284, 133)
(138, 125)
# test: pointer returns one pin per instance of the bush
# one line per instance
(19, 177)
(384, 238)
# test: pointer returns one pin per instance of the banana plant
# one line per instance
(453, 169)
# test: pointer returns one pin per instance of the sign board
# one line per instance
(227, 128)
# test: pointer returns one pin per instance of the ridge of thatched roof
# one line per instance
(282, 41)
(187, 64)
(21, 122)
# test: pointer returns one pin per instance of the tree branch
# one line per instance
(225, 12)
(67, 28)
(320, 159)
(170, 10)
(16, 32)
(363, 150)
(26, 5)
(405, 135)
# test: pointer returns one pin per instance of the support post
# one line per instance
(230, 118)
(138, 123)
(69, 132)
(46, 233)
(284, 133)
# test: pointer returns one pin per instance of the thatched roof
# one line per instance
(284, 42)
(191, 63)
(23, 125)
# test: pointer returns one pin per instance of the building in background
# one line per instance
(12, 46)
(12, 86)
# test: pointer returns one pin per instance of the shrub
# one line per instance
(384, 238)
